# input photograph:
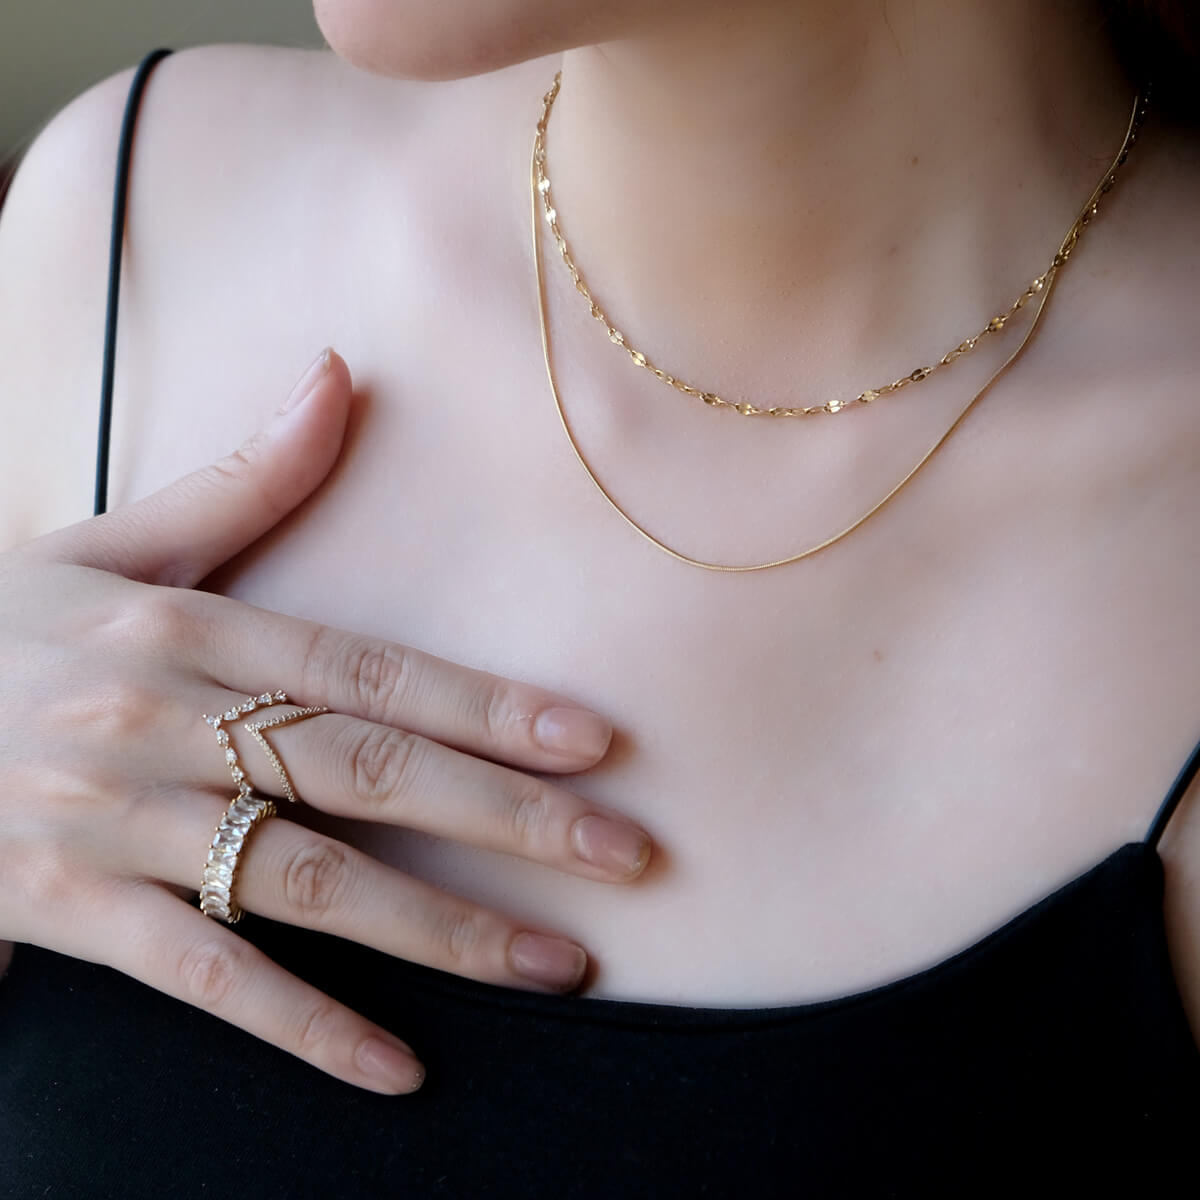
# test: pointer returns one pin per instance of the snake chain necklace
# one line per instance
(1040, 287)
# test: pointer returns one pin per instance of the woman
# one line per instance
(899, 912)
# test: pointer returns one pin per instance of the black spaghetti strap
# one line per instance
(120, 189)
(1178, 790)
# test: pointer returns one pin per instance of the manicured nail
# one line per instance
(313, 375)
(390, 1063)
(551, 961)
(573, 731)
(613, 845)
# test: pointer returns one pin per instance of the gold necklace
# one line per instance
(996, 325)
(1065, 249)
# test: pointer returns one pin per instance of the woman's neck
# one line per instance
(856, 177)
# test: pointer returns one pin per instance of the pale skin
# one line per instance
(850, 767)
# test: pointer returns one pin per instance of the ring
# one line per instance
(245, 812)
(256, 728)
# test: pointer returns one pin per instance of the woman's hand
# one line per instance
(111, 785)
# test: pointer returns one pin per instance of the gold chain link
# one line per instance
(996, 325)
(1047, 280)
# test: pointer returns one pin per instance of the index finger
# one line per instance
(253, 650)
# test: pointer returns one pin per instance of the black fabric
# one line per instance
(1052, 1057)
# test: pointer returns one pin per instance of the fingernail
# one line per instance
(308, 381)
(391, 1063)
(573, 731)
(551, 961)
(613, 845)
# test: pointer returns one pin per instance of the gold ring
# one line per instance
(246, 811)
(256, 731)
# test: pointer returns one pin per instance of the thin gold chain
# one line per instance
(1065, 249)
(997, 324)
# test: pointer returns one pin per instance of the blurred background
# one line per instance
(51, 50)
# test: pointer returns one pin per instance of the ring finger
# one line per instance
(292, 874)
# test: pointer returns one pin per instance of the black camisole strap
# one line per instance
(120, 190)
(1178, 790)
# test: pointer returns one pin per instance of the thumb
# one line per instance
(180, 534)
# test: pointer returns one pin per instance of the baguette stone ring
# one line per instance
(246, 812)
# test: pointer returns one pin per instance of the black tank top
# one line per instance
(1052, 1057)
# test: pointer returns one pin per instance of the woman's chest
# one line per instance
(851, 766)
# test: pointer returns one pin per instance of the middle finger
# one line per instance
(362, 770)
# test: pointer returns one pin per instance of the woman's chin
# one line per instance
(439, 39)
(450, 39)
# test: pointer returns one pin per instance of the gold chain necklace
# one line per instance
(996, 325)
(1066, 247)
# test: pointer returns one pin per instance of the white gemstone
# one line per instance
(281, 696)
(551, 215)
(543, 184)
(229, 837)
(231, 755)
(265, 698)
(214, 721)
(248, 706)
(238, 773)
(231, 715)
(218, 873)
(222, 737)
(244, 808)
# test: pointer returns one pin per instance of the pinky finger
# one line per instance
(179, 951)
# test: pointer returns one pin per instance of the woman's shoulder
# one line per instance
(233, 144)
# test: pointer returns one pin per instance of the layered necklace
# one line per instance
(1039, 290)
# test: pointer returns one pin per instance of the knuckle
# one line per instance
(124, 714)
(527, 812)
(151, 616)
(244, 470)
(209, 972)
(495, 710)
(106, 722)
(458, 936)
(380, 674)
(319, 1027)
(317, 877)
(382, 764)
(239, 465)
(48, 879)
